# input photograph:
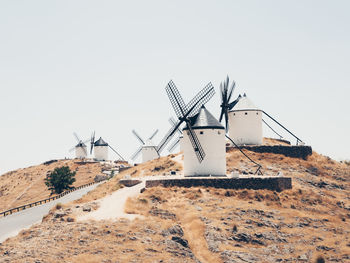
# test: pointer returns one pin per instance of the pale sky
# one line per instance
(80, 66)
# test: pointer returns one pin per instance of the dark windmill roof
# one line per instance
(205, 120)
(100, 142)
(80, 144)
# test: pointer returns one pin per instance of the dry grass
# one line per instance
(310, 218)
(27, 185)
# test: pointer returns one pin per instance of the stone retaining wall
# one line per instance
(301, 152)
(271, 183)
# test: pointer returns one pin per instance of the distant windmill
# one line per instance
(101, 149)
(147, 148)
(80, 148)
(177, 140)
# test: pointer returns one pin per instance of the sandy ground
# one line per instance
(112, 206)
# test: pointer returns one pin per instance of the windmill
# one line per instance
(243, 120)
(147, 148)
(80, 148)
(184, 114)
(101, 149)
(172, 146)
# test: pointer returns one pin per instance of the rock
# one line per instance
(178, 249)
(70, 219)
(87, 208)
(174, 230)
(100, 178)
(180, 240)
(59, 214)
(230, 256)
(164, 214)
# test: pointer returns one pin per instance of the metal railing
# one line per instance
(43, 201)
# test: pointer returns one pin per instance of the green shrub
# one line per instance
(60, 179)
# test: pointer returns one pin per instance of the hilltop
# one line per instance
(204, 224)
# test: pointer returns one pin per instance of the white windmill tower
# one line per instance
(101, 150)
(211, 135)
(80, 148)
(147, 149)
(245, 123)
(203, 140)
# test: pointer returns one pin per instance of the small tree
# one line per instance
(60, 179)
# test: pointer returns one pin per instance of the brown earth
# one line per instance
(204, 224)
(27, 185)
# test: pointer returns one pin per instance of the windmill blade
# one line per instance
(197, 147)
(71, 149)
(155, 148)
(168, 136)
(200, 99)
(133, 157)
(138, 137)
(86, 141)
(174, 144)
(230, 91)
(173, 123)
(154, 134)
(233, 103)
(76, 137)
(223, 100)
(176, 99)
(120, 157)
(226, 121)
(92, 142)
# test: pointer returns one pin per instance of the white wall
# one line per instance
(80, 153)
(214, 147)
(101, 153)
(245, 127)
(148, 153)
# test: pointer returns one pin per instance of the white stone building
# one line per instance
(211, 135)
(101, 150)
(245, 123)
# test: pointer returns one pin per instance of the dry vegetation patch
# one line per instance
(27, 185)
(308, 223)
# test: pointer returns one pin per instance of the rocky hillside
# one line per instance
(310, 223)
(27, 185)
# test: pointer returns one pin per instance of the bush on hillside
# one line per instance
(60, 179)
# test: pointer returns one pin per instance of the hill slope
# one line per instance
(27, 185)
(205, 224)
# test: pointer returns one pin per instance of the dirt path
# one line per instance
(112, 206)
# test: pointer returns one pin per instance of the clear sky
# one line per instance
(79, 66)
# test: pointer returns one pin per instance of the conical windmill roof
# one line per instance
(80, 144)
(100, 142)
(205, 120)
(244, 103)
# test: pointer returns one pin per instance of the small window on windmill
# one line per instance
(219, 132)
(257, 113)
(201, 132)
(246, 113)
(234, 114)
